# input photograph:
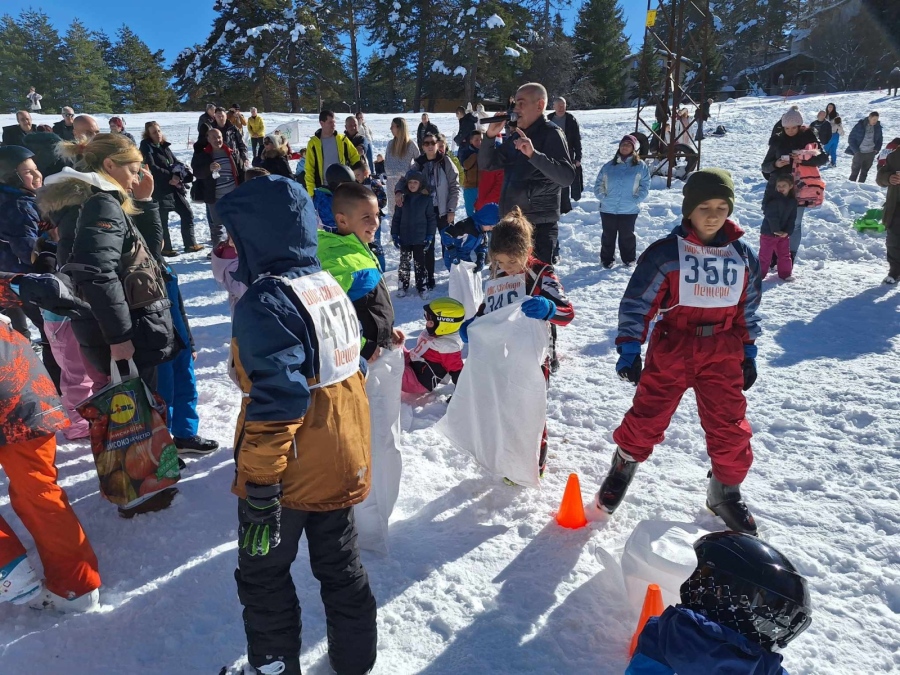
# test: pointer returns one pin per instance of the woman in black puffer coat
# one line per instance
(274, 156)
(114, 259)
(169, 178)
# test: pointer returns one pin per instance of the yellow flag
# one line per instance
(651, 18)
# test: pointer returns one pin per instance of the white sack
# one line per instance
(466, 286)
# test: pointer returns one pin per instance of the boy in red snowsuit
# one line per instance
(30, 415)
(703, 284)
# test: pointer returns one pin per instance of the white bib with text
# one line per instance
(709, 276)
(337, 328)
(502, 292)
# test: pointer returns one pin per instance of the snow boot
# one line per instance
(280, 666)
(726, 502)
(57, 603)
(195, 446)
(18, 582)
(616, 483)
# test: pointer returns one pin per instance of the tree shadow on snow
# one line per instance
(863, 324)
(493, 642)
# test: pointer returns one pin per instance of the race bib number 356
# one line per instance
(709, 276)
(337, 328)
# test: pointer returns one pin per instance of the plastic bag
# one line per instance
(133, 451)
(383, 389)
(499, 407)
(466, 286)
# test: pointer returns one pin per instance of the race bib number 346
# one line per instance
(337, 328)
(709, 276)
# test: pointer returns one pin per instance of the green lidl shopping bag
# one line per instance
(133, 450)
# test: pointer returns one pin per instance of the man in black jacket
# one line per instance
(233, 139)
(536, 164)
(467, 123)
(567, 122)
(15, 134)
(426, 126)
(65, 128)
(207, 121)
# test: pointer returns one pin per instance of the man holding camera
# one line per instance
(536, 163)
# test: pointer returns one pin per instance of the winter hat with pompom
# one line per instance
(704, 185)
(792, 118)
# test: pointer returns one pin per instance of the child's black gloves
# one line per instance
(260, 519)
(749, 366)
(629, 365)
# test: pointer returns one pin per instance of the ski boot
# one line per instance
(18, 582)
(726, 502)
(616, 483)
(57, 603)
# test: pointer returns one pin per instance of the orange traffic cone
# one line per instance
(571, 510)
(653, 606)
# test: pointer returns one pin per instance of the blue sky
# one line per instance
(172, 25)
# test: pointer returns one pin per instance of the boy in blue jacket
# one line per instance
(744, 600)
(412, 230)
(466, 240)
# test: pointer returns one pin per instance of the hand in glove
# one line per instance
(749, 366)
(629, 365)
(260, 519)
(396, 241)
(464, 330)
(539, 308)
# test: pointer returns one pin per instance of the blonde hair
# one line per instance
(400, 143)
(512, 236)
(90, 155)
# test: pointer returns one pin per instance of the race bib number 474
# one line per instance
(337, 328)
(709, 276)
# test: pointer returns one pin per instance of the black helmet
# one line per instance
(747, 585)
(10, 158)
(336, 174)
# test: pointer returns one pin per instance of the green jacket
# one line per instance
(355, 268)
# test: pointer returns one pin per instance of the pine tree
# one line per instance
(13, 80)
(553, 62)
(88, 87)
(602, 49)
(140, 80)
(42, 67)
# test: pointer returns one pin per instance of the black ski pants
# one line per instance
(179, 204)
(546, 242)
(619, 225)
(272, 611)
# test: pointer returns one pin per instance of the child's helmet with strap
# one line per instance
(445, 316)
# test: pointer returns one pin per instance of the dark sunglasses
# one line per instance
(427, 143)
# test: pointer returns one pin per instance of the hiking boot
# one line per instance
(195, 445)
(725, 501)
(616, 483)
(57, 603)
(18, 582)
(193, 248)
(170, 253)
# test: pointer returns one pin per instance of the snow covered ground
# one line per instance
(480, 579)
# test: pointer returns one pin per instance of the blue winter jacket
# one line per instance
(18, 229)
(621, 186)
(687, 643)
(322, 199)
(858, 134)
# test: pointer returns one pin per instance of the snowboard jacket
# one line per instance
(127, 303)
(256, 126)
(533, 184)
(782, 144)
(622, 185)
(19, 231)
(13, 135)
(858, 135)
(29, 405)
(541, 279)
(463, 240)
(653, 290)
(64, 131)
(315, 171)
(823, 130)
(573, 135)
(779, 213)
(414, 223)
(432, 359)
(892, 201)
(312, 440)
(204, 188)
(355, 268)
(686, 642)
